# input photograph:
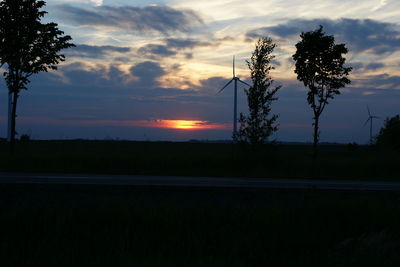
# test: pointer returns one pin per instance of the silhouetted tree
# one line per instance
(389, 135)
(320, 66)
(259, 124)
(27, 47)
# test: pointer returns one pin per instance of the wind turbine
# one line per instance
(235, 80)
(370, 118)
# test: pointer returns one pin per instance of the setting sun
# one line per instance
(188, 125)
(182, 124)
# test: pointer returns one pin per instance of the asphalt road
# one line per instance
(209, 182)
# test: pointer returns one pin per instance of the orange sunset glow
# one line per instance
(155, 123)
(182, 124)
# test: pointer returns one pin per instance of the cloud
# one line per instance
(212, 85)
(97, 2)
(163, 19)
(171, 47)
(103, 79)
(90, 51)
(381, 4)
(380, 81)
(91, 2)
(374, 66)
(363, 67)
(148, 73)
(156, 50)
(178, 43)
(81, 76)
(178, 124)
(361, 35)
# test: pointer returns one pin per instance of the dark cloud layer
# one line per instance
(185, 43)
(106, 80)
(380, 81)
(147, 73)
(171, 47)
(374, 66)
(362, 67)
(156, 50)
(90, 51)
(161, 19)
(360, 35)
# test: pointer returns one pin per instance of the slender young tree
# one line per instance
(320, 66)
(389, 135)
(27, 47)
(256, 127)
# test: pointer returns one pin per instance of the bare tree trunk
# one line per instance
(316, 136)
(13, 121)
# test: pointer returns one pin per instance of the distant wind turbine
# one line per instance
(235, 80)
(370, 118)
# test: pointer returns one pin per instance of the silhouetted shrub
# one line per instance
(352, 146)
(25, 138)
(389, 135)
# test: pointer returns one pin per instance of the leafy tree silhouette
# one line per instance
(259, 124)
(27, 47)
(319, 65)
(389, 135)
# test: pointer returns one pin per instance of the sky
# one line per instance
(150, 70)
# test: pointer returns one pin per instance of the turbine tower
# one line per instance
(370, 118)
(235, 80)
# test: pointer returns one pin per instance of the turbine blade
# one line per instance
(366, 122)
(244, 82)
(369, 113)
(375, 117)
(234, 75)
(225, 86)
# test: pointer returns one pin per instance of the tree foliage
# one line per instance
(260, 124)
(27, 46)
(389, 134)
(320, 66)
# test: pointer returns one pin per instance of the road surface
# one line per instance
(209, 182)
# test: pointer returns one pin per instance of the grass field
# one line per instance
(200, 159)
(72, 225)
(93, 225)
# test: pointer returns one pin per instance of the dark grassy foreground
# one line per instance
(200, 159)
(71, 225)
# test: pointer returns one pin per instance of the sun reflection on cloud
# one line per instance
(181, 124)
